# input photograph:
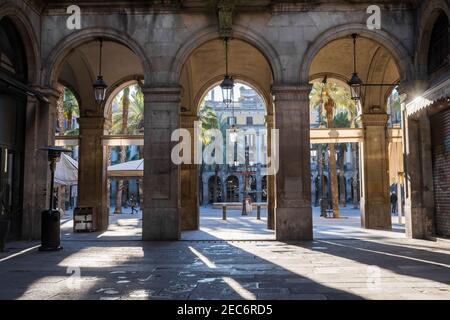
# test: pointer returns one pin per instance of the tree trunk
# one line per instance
(120, 183)
(60, 110)
(319, 174)
(343, 185)
(201, 198)
(332, 160)
(355, 176)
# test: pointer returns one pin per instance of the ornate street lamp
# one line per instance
(99, 84)
(227, 87)
(355, 82)
(227, 84)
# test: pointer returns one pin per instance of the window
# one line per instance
(439, 44)
(249, 121)
(231, 121)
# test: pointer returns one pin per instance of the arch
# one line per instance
(61, 50)
(429, 16)
(331, 75)
(393, 45)
(218, 189)
(240, 33)
(116, 88)
(29, 38)
(232, 184)
(238, 78)
(74, 92)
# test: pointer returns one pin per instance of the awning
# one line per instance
(66, 172)
(127, 169)
(429, 97)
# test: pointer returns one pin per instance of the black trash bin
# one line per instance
(51, 231)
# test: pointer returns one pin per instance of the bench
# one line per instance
(238, 206)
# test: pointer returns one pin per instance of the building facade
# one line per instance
(174, 49)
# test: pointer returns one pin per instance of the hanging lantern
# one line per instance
(100, 89)
(99, 84)
(227, 87)
(355, 84)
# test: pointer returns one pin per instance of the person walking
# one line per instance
(394, 200)
(133, 204)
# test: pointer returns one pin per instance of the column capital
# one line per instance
(49, 93)
(162, 93)
(374, 119)
(187, 121)
(282, 92)
(269, 121)
(92, 122)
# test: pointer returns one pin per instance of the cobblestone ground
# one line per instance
(343, 264)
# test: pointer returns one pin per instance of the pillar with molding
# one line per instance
(40, 133)
(92, 168)
(270, 178)
(293, 180)
(189, 211)
(375, 197)
(161, 214)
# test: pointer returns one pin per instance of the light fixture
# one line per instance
(227, 84)
(227, 87)
(355, 82)
(99, 84)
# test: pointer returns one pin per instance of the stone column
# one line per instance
(92, 168)
(190, 214)
(293, 181)
(40, 133)
(161, 214)
(375, 198)
(270, 178)
(419, 202)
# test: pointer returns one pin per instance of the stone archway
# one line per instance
(378, 62)
(202, 70)
(76, 64)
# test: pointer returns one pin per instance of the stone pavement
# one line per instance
(237, 227)
(323, 269)
(344, 262)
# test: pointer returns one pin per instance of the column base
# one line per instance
(376, 216)
(161, 224)
(190, 218)
(294, 224)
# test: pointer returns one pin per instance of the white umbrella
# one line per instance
(127, 169)
(66, 172)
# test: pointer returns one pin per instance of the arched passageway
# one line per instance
(76, 65)
(365, 158)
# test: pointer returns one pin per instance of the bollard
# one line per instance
(258, 212)
(224, 212)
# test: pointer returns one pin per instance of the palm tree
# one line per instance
(60, 110)
(71, 109)
(341, 120)
(125, 104)
(209, 121)
(333, 98)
